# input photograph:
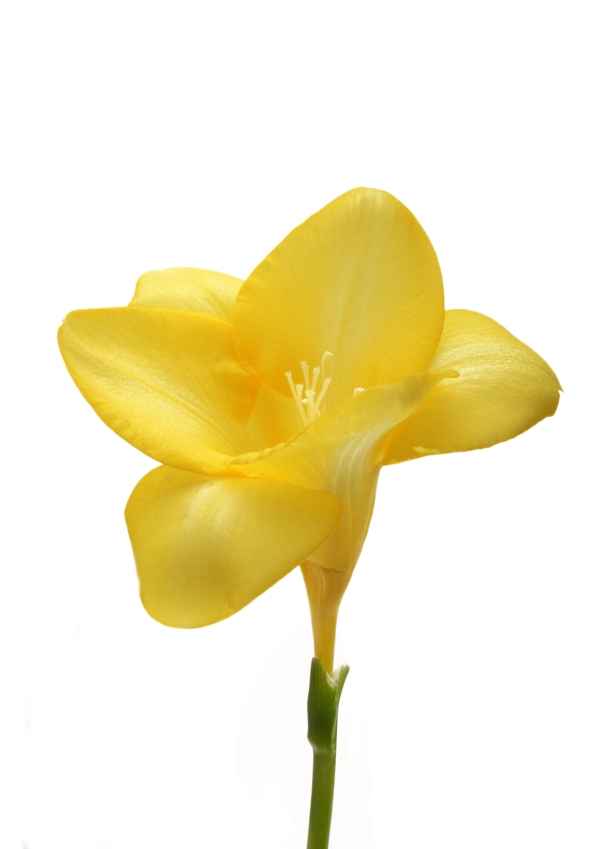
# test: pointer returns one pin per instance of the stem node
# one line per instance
(323, 702)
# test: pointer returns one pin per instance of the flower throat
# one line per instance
(309, 405)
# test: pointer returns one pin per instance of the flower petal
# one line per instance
(195, 289)
(206, 547)
(274, 419)
(340, 452)
(167, 381)
(360, 279)
(504, 388)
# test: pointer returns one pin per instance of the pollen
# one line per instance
(309, 396)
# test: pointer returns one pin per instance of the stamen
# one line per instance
(299, 388)
(313, 411)
(297, 397)
(325, 374)
(316, 373)
(308, 407)
(324, 389)
(288, 374)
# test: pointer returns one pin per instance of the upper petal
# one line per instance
(206, 547)
(167, 381)
(360, 279)
(503, 389)
(195, 289)
(340, 452)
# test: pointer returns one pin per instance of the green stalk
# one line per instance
(323, 702)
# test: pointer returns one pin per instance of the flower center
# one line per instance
(305, 396)
(308, 406)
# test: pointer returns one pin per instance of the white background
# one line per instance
(146, 135)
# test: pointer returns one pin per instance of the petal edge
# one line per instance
(194, 289)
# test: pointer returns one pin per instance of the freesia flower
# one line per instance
(273, 403)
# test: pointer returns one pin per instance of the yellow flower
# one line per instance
(273, 403)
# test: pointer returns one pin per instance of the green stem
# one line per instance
(323, 702)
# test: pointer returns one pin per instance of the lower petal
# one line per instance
(206, 547)
(503, 389)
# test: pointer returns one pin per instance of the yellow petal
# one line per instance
(340, 452)
(503, 389)
(167, 381)
(195, 289)
(206, 547)
(274, 419)
(360, 279)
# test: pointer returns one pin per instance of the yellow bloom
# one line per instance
(273, 403)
